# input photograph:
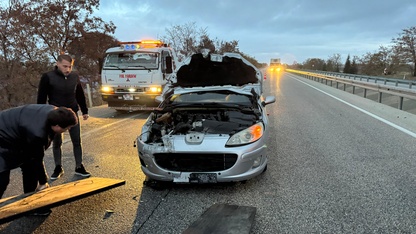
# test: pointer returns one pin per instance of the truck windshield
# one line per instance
(133, 60)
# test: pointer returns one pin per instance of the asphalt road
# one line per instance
(338, 163)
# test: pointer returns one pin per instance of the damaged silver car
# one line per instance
(211, 125)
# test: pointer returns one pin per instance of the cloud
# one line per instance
(294, 30)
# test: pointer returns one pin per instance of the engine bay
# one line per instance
(215, 121)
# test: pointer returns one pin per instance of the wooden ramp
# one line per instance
(224, 219)
(17, 206)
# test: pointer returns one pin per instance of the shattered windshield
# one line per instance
(139, 60)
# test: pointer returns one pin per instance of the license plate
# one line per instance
(203, 178)
(127, 97)
(181, 178)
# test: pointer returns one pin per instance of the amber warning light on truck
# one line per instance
(135, 45)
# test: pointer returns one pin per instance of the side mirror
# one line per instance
(268, 100)
(168, 61)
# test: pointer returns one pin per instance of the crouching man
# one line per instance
(25, 133)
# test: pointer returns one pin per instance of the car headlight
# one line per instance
(246, 136)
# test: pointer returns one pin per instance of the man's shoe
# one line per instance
(58, 172)
(81, 171)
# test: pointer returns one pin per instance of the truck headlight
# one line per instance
(246, 136)
(154, 89)
(106, 89)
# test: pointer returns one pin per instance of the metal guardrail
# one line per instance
(374, 79)
(366, 85)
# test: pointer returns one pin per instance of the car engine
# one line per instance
(182, 122)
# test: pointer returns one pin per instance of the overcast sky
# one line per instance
(293, 30)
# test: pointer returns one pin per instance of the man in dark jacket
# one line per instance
(25, 133)
(62, 87)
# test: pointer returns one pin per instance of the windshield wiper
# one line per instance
(115, 67)
(142, 67)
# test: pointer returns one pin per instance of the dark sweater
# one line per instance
(25, 134)
(59, 90)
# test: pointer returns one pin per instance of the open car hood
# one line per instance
(213, 70)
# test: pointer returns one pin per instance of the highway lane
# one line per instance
(338, 163)
(344, 163)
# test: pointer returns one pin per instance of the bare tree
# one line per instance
(67, 21)
(314, 64)
(206, 43)
(89, 54)
(32, 34)
(184, 39)
(335, 63)
(354, 65)
(12, 42)
(187, 39)
(405, 46)
(227, 46)
(16, 48)
(89, 51)
(373, 63)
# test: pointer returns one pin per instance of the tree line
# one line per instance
(32, 35)
(34, 32)
(398, 59)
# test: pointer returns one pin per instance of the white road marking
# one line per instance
(362, 110)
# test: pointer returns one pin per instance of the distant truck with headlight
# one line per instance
(134, 73)
(275, 65)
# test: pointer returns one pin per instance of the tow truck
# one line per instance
(134, 73)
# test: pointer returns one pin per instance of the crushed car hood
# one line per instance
(210, 70)
(245, 90)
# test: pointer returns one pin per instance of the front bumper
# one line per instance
(130, 99)
(184, 163)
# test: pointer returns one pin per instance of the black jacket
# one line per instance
(59, 90)
(25, 134)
